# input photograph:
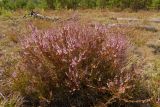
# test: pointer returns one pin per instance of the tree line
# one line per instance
(83, 4)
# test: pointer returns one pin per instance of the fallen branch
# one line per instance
(145, 27)
(137, 101)
(154, 20)
(37, 15)
(126, 19)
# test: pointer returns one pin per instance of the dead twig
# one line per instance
(1, 95)
(114, 98)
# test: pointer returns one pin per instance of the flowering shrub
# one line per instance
(76, 65)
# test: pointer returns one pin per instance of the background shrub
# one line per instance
(73, 4)
(156, 4)
(20, 4)
(8, 4)
(140, 4)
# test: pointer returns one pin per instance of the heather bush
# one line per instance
(76, 65)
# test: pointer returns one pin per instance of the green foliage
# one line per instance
(41, 4)
(50, 4)
(20, 3)
(8, 4)
(156, 4)
(28, 4)
(133, 4)
(5, 13)
(114, 3)
(101, 3)
(73, 4)
(140, 4)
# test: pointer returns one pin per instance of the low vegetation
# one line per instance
(85, 58)
(77, 65)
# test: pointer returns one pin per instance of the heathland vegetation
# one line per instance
(90, 56)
